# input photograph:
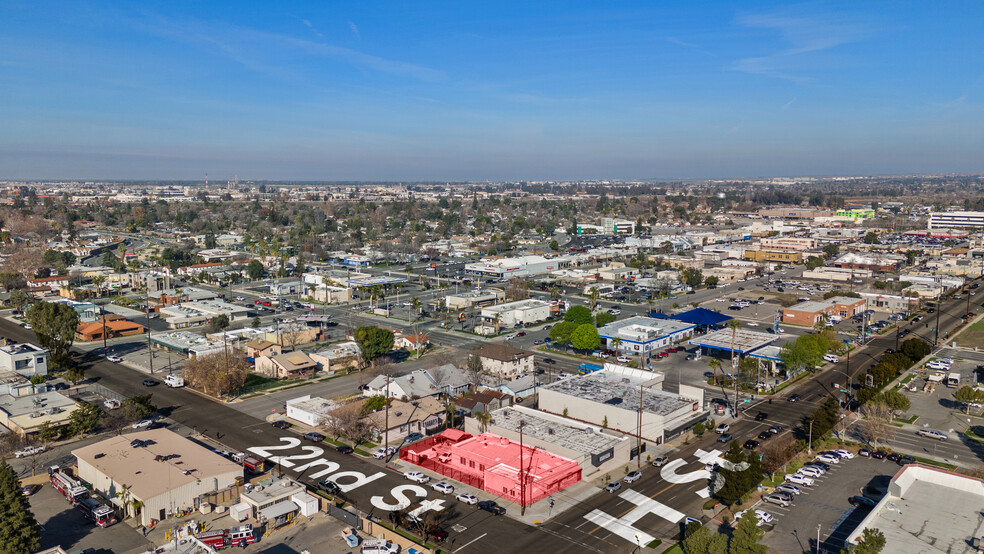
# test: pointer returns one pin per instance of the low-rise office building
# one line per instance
(516, 313)
(163, 471)
(523, 266)
(25, 415)
(615, 395)
(472, 298)
(24, 359)
(189, 314)
(869, 260)
(641, 335)
(809, 313)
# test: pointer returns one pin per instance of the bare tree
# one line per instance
(218, 374)
(877, 422)
(777, 453)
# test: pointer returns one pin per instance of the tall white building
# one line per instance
(949, 220)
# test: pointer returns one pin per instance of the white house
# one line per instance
(24, 359)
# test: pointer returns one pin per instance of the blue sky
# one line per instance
(488, 90)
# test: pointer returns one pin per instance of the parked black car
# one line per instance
(492, 507)
(280, 424)
(344, 449)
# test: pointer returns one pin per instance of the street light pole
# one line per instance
(522, 479)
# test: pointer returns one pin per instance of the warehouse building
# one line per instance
(162, 470)
(524, 266)
(615, 395)
(512, 314)
(592, 448)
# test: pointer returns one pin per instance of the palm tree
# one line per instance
(616, 342)
(483, 420)
(595, 293)
(554, 293)
(715, 365)
(497, 321)
(734, 325)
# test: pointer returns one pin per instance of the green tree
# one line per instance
(823, 418)
(738, 483)
(554, 245)
(19, 530)
(911, 256)
(218, 323)
(55, 326)
(872, 542)
(47, 432)
(109, 259)
(19, 298)
(561, 332)
(896, 401)
(831, 250)
(138, 407)
(746, 536)
(692, 277)
(711, 281)
(255, 324)
(374, 342)
(871, 238)
(85, 418)
(814, 262)
(75, 374)
(847, 293)
(373, 404)
(916, 349)
(699, 428)
(604, 318)
(254, 269)
(579, 315)
(585, 337)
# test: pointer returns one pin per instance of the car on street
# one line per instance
(443, 487)
(491, 507)
(29, 451)
(314, 437)
(344, 449)
(794, 398)
(764, 435)
(149, 382)
(416, 477)
(723, 428)
(549, 361)
(659, 461)
(725, 437)
(907, 459)
(329, 487)
(761, 416)
(861, 502)
(142, 423)
(281, 424)
(750, 444)
(776, 429)
(467, 498)
(413, 437)
(622, 359)
(521, 334)
(114, 358)
(613, 486)
(632, 477)
(381, 452)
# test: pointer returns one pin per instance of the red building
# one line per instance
(495, 464)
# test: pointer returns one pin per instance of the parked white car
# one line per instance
(416, 476)
(467, 498)
(29, 451)
(846, 454)
(111, 404)
(810, 471)
(114, 358)
(831, 358)
(762, 516)
(798, 479)
(381, 453)
(622, 359)
(142, 423)
(723, 428)
(827, 459)
(443, 487)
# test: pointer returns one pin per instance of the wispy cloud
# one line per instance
(355, 30)
(803, 35)
(788, 104)
(690, 45)
(264, 51)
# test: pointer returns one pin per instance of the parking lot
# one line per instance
(65, 526)
(825, 506)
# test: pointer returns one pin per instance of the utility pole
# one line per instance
(639, 432)
(386, 425)
(939, 308)
(150, 351)
(522, 480)
(809, 448)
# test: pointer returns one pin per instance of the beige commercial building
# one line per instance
(164, 471)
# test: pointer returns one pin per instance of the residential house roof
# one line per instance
(501, 352)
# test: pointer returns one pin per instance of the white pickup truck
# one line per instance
(175, 381)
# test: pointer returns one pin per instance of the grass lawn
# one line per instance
(972, 336)
(911, 419)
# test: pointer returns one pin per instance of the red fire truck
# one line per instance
(96, 512)
(237, 536)
(64, 483)
(253, 465)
